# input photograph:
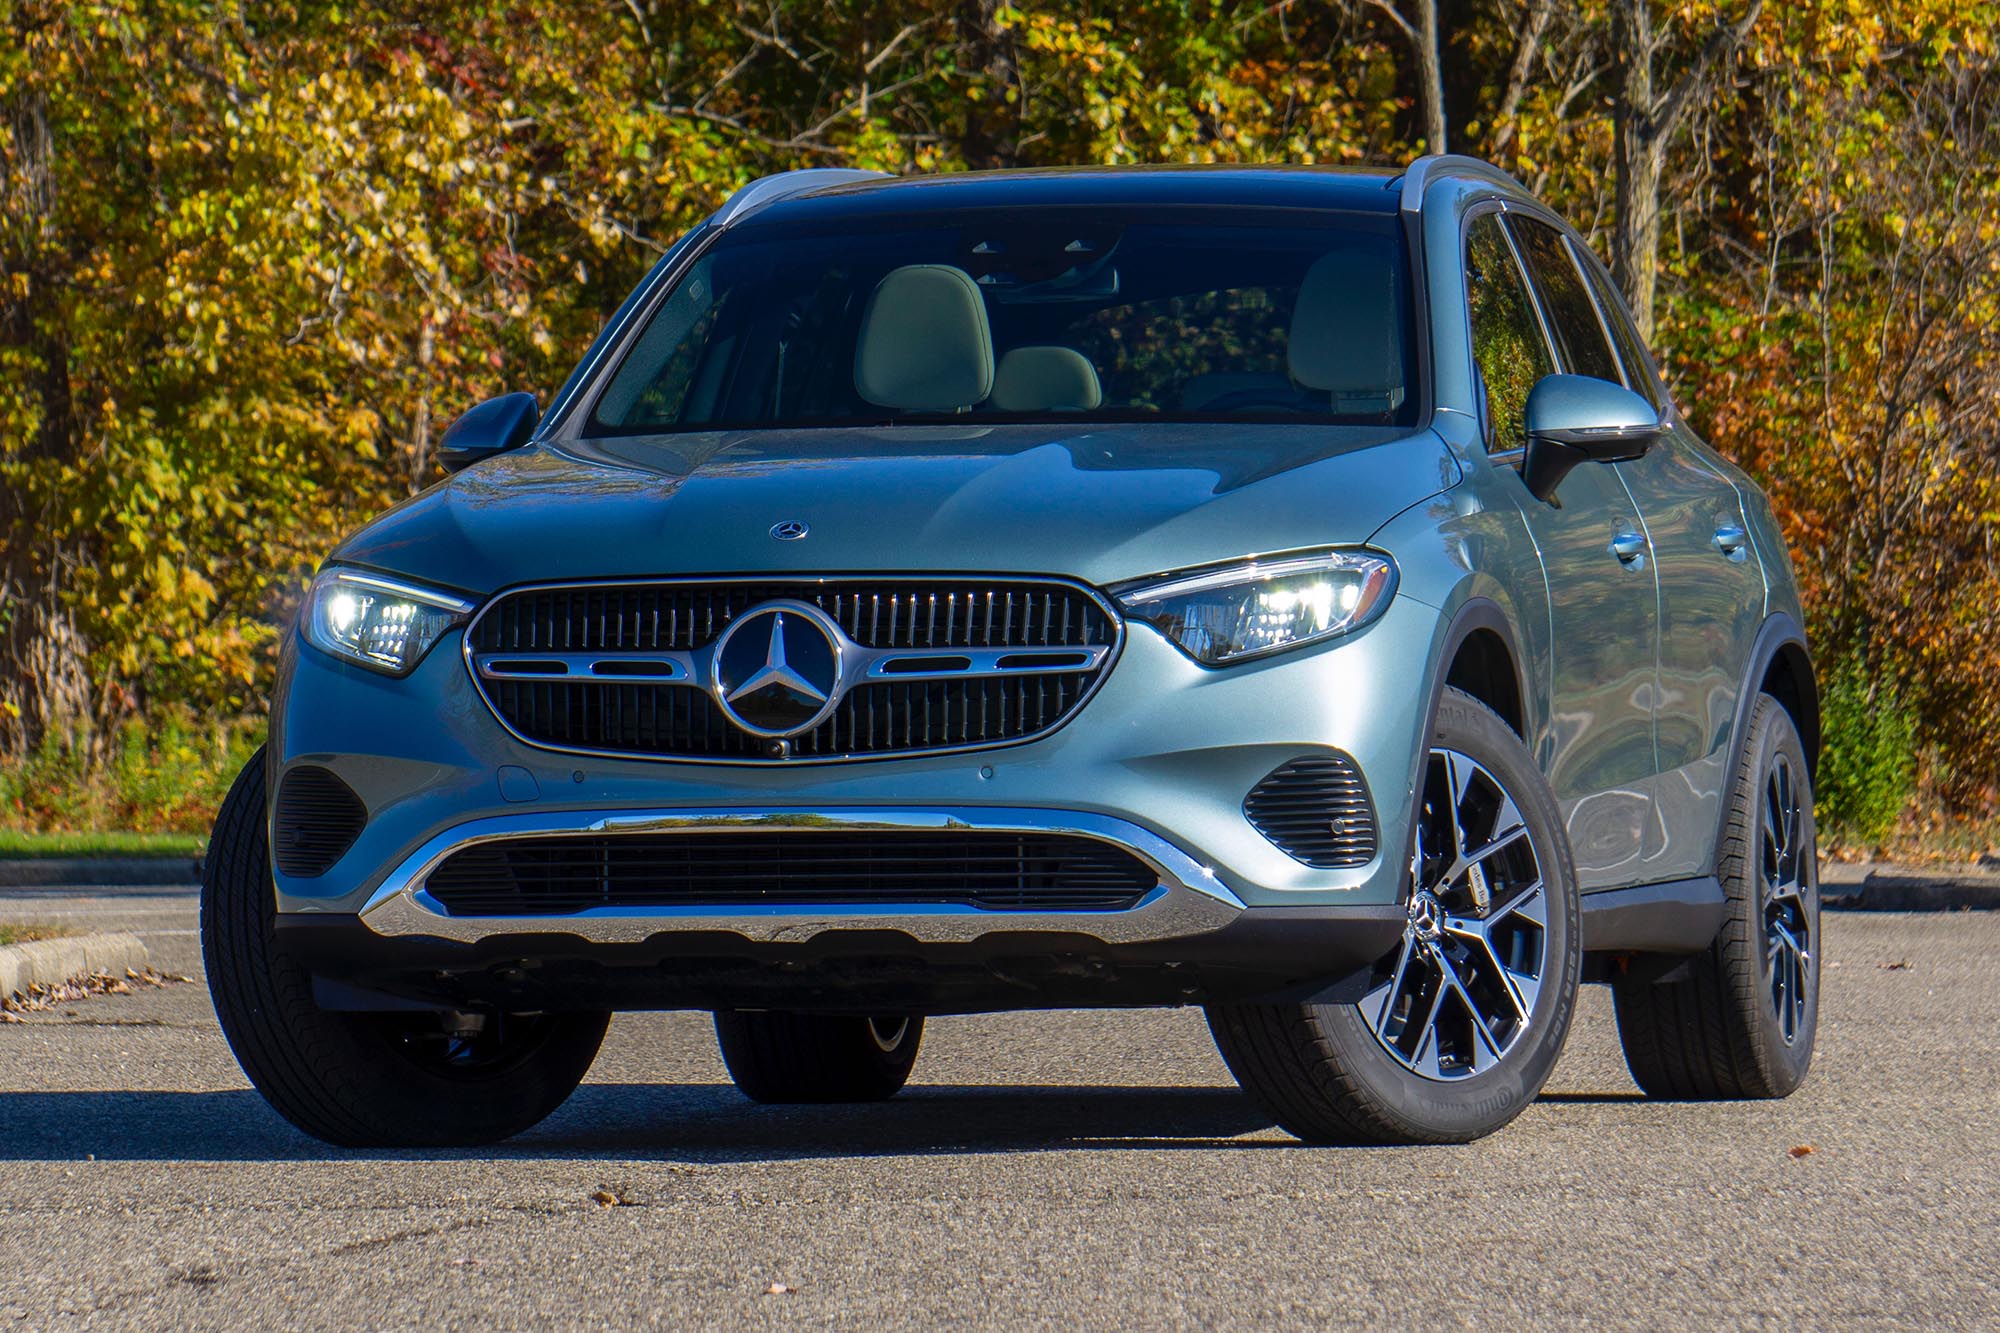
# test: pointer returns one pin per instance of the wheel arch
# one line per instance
(1781, 666)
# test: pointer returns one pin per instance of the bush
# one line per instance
(1868, 766)
(166, 777)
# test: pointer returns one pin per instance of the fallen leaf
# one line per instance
(1804, 1150)
(1900, 965)
(604, 1199)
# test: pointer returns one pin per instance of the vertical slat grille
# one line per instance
(678, 720)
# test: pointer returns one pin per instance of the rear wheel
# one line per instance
(1464, 1019)
(365, 1080)
(778, 1056)
(1740, 1021)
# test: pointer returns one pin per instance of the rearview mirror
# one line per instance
(493, 427)
(1576, 419)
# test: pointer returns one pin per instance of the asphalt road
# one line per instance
(1052, 1170)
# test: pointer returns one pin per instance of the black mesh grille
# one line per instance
(558, 876)
(877, 718)
(1317, 810)
(317, 819)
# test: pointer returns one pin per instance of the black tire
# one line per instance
(781, 1057)
(1323, 1072)
(363, 1080)
(1729, 1026)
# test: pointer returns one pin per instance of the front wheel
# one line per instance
(1463, 1021)
(365, 1080)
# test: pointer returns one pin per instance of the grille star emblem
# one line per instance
(777, 669)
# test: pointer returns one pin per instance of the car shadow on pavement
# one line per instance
(640, 1121)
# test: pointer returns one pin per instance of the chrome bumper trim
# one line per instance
(1188, 900)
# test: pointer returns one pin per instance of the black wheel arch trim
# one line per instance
(1779, 635)
(1476, 614)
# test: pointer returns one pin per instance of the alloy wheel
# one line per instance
(1784, 869)
(1459, 992)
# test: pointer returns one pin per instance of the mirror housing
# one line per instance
(493, 427)
(1576, 419)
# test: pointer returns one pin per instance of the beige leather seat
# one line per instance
(1344, 338)
(924, 343)
(1046, 379)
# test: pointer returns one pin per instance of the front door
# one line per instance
(1597, 748)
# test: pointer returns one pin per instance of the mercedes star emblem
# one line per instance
(777, 669)
(790, 530)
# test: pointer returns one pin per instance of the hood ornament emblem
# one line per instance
(791, 530)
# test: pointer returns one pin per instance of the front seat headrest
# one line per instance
(1046, 379)
(924, 345)
(1346, 334)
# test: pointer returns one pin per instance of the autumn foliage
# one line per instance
(252, 258)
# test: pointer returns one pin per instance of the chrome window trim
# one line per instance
(1189, 897)
(1104, 662)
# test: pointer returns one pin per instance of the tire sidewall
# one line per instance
(1784, 1064)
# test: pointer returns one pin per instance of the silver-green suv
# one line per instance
(1291, 592)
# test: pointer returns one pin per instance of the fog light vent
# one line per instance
(318, 819)
(1317, 811)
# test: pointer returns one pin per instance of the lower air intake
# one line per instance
(1317, 811)
(317, 819)
(1001, 872)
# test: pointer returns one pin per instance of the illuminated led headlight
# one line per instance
(1247, 610)
(380, 623)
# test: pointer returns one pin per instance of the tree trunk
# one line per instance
(992, 126)
(1635, 229)
(420, 429)
(1430, 69)
(44, 685)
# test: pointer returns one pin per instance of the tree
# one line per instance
(1645, 119)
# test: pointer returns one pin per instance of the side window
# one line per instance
(1572, 314)
(1638, 368)
(1507, 342)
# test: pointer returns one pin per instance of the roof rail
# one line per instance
(767, 190)
(1419, 173)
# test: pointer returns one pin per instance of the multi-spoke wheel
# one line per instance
(1461, 992)
(1739, 1020)
(1461, 1023)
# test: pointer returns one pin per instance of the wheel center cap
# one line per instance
(1426, 915)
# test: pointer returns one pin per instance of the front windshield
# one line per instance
(1033, 315)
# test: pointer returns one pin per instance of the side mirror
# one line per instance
(493, 427)
(1576, 419)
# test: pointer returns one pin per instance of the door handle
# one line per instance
(1630, 548)
(1733, 542)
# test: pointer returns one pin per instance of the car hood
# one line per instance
(1100, 504)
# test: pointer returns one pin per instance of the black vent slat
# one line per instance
(994, 871)
(876, 718)
(1317, 811)
(316, 820)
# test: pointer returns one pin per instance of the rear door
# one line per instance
(1599, 648)
(1711, 605)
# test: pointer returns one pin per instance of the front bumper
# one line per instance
(1158, 762)
(1166, 750)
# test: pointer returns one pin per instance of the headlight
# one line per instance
(380, 623)
(1247, 610)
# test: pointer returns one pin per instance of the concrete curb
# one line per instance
(1901, 888)
(52, 962)
(110, 871)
